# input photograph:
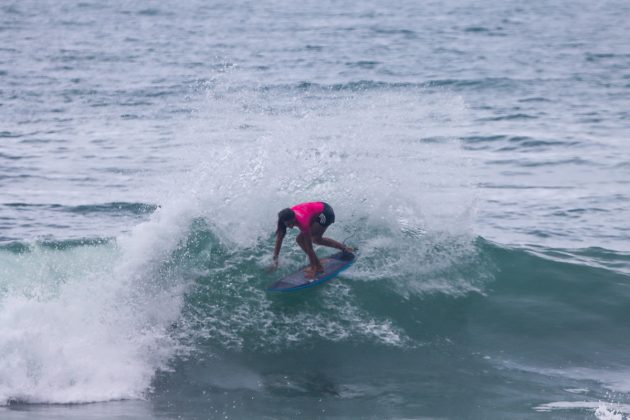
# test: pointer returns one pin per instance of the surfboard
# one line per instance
(333, 265)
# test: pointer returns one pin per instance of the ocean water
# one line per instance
(477, 153)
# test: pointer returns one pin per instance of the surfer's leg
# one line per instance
(317, 232)
(315, 266)
(331, 243)
(300, 241)
(320, 225)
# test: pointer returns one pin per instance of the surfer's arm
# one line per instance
(276, 250)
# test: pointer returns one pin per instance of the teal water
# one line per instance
(476, 154)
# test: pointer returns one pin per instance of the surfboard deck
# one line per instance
(333, 265)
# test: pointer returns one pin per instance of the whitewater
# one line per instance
(476, 154)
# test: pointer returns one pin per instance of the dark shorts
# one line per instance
(327, 217)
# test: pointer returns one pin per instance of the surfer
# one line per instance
(312, 219)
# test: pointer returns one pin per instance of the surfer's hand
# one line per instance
(348, 249)
(274, 266)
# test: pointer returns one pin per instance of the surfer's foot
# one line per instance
(312, 272)
(348, 252)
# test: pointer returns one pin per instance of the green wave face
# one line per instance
(195, 316)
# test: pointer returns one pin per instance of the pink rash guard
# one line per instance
(304, 214)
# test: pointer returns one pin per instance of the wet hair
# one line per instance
(284, 215)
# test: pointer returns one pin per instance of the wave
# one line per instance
(366, 85)
(113, 207)
(504, 143)
(84, 321)
(96, 320)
